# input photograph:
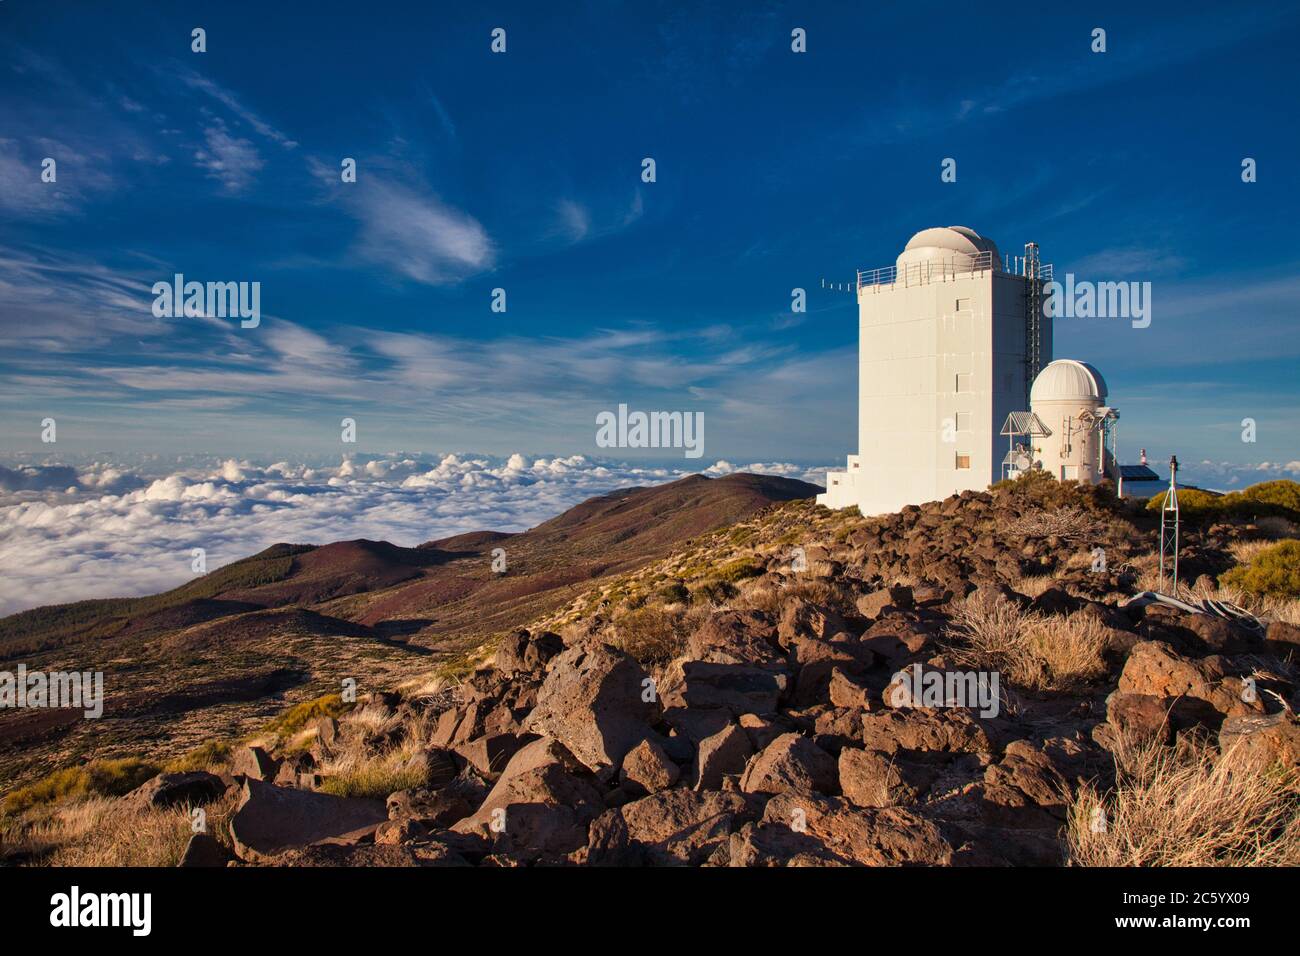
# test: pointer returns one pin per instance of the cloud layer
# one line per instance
(69, 534)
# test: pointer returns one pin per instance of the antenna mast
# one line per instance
(1169, 531)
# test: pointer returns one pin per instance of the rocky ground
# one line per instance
(746, 702)
(222, 655)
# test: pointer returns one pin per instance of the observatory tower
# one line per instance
(950, 339)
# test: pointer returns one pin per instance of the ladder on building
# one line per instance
(1033, 317)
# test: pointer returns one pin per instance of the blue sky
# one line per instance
(522, 171)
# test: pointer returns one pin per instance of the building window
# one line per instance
(963, 305)
(963, 421)
(963, 462)
(963, 381)
(1070, 472)
(855, 464)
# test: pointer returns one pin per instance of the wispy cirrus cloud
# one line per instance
(235, 105)
(577, 221)
(418, 236)
(231, 160)
(1129, 261)
(407, 228)
(62, 302)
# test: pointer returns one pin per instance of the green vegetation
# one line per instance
(1274, 572)
(300, 715)
(211, 754)
(376, 779)
(712, 591)
(1282, 494)
(675, 593)
(739, 569)
(1280, 499)
(1040, 489)
(108, 778)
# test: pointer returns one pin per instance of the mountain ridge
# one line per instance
(360, 608)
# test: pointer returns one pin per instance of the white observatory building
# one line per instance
(951, 339)
(1069, 400)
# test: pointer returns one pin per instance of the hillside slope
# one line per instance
(217, 656)
(960, 683)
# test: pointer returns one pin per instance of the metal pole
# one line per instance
(1169, 531)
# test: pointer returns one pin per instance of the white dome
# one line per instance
(1066, 380)
(953, 245)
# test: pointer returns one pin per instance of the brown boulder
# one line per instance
(523, 653)
(593, 701)
(897, 640)
(1263, 740)
(952, 730)
(1157, 670)
(254, 763)
(647, 769)
(1024, 790)
(539, 811)
(1283, 638)
(871, 778)
(802, 618)
(726, 752)
(272, 819)
(874, 604)
(178, 789)
(204, 850)
(490, 754)
(434, 809)
(798, 829)
(1140, 715)
(445, 729)
(673, 827)
(734, 637)
(845, 691)
(737, 688)
(816, 661)
(791, 762)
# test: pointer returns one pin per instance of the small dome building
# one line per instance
(1069, 397)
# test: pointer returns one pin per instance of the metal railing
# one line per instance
(938, 270)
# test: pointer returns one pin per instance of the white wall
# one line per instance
(1080, 463)
(913, 421)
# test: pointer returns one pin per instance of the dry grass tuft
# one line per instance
(1244, 552)
(651, 634)
(358, 769)
(1034, 651)
(101, 831)
(1187, 806)
(1070, 523)
(112, 778)
(1033, 585)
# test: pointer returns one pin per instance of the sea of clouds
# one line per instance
(72, 531)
